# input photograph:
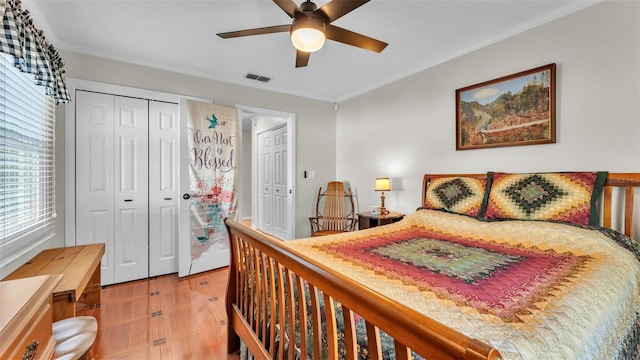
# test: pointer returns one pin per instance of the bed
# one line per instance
(468, 280)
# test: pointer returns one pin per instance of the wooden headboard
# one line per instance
(612, 203)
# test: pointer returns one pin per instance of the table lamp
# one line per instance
(383, 184)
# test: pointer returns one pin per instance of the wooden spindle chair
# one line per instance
(334, 211)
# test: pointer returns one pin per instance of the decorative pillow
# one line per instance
(460, 195)
(564, 197)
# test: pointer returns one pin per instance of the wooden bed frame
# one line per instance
(272, 275)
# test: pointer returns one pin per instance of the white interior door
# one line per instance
(263, 120)
(164, 192)
(265, 181)
(131, 171)
(273, 185)
(94, 178)
(280, 185)
(112, 182)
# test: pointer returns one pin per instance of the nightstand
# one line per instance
(367, 220)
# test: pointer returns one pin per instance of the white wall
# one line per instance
(407, 128)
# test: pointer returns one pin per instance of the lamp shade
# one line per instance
(383, 184)
(307, 34)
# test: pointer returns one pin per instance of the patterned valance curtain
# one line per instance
(31, 52)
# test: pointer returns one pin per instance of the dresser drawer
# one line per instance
(37, 337)
(27, 317)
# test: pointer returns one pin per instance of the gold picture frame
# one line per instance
(513, 110)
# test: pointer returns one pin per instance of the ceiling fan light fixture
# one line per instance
(307, 35)
(311, 27)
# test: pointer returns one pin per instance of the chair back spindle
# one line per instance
(334, 209)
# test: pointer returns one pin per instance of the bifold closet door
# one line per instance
(94, 175)
(131, 166)
(112, 182)
(164, 192)
(280, 185)
(273, 189)
(265, 182)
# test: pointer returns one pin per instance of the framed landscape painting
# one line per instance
(513, 110)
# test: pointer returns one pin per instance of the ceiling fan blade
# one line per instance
(256, 31)
(287, 6)
(351, 38)
(337, 8)
(302, 58)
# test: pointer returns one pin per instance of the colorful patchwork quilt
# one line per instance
(531, 289)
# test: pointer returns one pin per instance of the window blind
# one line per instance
(27, 163)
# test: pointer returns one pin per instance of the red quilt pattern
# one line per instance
(499, 279)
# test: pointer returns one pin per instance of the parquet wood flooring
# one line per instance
(163, 318)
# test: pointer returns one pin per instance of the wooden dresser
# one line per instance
(26, 317)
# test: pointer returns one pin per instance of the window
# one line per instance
(27, 168)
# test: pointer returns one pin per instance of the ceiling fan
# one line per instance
(312, 25)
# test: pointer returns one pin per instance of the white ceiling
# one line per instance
(180, 35)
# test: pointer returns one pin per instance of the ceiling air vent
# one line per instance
(258, 78)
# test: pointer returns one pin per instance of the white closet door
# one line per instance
(132, 189)
(280, 187)
(94, 175)
(273, 188)
(164, 135)
(265, 182)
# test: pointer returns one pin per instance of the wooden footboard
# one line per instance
(275, 295)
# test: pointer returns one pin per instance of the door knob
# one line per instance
(186, 196)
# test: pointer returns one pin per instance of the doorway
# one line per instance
(272, 206)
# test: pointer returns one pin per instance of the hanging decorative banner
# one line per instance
(212, 143)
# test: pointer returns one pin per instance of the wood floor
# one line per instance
(163, 318)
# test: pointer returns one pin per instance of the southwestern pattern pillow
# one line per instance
(460, 195)
(562, 197)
